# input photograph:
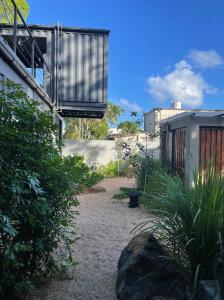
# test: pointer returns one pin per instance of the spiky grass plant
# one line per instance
(188, 222)
(148, 168)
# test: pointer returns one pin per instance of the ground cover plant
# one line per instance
(188, 222)
(37, 193)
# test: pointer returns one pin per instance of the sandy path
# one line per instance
(104, 228)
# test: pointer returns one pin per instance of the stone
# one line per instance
(146, 272)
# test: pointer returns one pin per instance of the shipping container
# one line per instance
(76, 71)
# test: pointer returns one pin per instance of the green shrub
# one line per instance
(84, 176)
(125, 193)
(115, 168)
(37, 193)
(148, 178)
(188, 222)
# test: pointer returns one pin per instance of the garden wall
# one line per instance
(102, 151)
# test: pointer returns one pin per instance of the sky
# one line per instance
(159, 50)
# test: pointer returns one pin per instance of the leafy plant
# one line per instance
(92, 128)
(146, 172)
(85, 177)
(188, 222)
(115, 168)
(7, 10)
(125, 193)
(37, 193)
(129, 127)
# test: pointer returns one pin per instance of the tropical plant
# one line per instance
(188, 222)
(7, 10)
(84, 176)
(129, 127)
(115, 168)
(37, 193)
(92, 128)
(147, 171)
(112, 113)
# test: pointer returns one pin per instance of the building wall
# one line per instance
(192, 126)
(103, 151)
(9, 73)
(149, 121)
(154, 116)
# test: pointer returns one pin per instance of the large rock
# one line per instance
(146, 271)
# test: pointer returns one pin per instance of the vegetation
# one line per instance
(129, 127)
(37, 194)
(147, 171)
(188, 220)
(125, 193)
(84, 176)
(7, 8)
(115, 168)
(92, 128)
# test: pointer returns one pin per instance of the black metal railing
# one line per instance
(16, 33)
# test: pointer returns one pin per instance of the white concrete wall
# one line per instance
(104, 151)
(149, 121)
(94, 150)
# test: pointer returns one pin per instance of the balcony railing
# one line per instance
(18, 36)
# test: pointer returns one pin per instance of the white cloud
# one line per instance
(206, 59)
(182, 84)
(128, 105)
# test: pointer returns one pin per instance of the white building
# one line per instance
(156, 116)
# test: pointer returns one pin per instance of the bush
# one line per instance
(148, 178)
(115, 168)
(188, 222)
(37, 193)
(124, 193)
(147, 167)
(84, 176)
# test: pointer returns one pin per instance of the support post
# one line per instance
(32, 59)
(15, 29)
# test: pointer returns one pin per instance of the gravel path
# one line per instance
(104, 227)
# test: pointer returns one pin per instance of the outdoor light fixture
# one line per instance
(134, 199)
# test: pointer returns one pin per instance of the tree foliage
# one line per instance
(92, 128)
(7, 10)
(129, 127)
(37, 192)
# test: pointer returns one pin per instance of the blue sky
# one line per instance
(160, 50)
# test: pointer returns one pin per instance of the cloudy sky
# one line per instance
(160, 50)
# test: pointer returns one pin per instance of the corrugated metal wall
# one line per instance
(82, 64)
(212, 148)
(78, 59)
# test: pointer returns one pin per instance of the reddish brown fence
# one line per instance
(179, 151)
(212, 148)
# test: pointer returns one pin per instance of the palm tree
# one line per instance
(77, 128)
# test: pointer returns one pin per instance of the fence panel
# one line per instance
(212, 148)
(179, 151)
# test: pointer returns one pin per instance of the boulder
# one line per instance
(146, 271)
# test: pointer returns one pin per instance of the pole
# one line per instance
(15, 29)
(32, 59)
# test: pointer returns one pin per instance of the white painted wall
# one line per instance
(93, 150)
(103, 151)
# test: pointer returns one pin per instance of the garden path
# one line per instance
(104, 227)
